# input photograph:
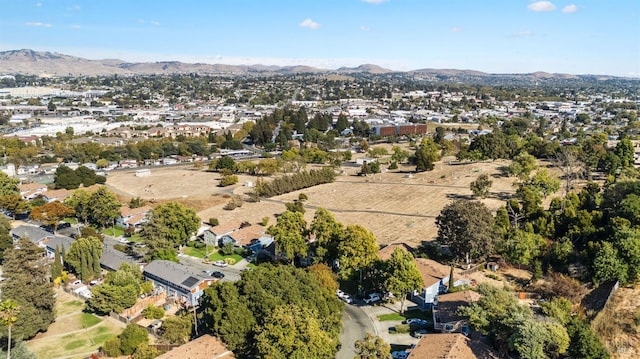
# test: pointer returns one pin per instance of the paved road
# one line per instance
(355, 324)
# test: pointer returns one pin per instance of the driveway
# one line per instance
(231, 273)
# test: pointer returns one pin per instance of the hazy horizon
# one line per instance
(496, 36)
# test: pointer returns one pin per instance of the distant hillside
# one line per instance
(30, 62)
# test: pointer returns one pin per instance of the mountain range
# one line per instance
(44, 63)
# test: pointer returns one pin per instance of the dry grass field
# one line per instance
(74, 334)
(395, 206)
(616, 326)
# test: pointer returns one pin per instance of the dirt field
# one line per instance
(395, 206)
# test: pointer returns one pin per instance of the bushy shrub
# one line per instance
(213, 221)
(153, 312)
(227, 249)
(228, 180)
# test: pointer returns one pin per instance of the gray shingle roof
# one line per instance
(111, 259)
(35, 234)
(62, 242)
(175, 273)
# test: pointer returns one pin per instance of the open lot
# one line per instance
(74, 334)
(395, 206)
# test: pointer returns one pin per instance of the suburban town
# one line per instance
(175, 183)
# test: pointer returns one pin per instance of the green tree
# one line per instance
(56, 265)
(171, 223)
(66, 178)
(14, 203)
(132, 337)
(51, 213)
(624, 151)
(80, 201)
(607, 265)
(145, 351)
(6, 240)
(584, 342)
(426, 155)
(467, 227)
(105, 207)
(8, 185)
(19, 351)
(327, 232)
(228, 180)
(480, 187)
(9, 310)
(27, 282)
(403, 275)
(372, 347)
(521, 247)
(522, 165)
(293, 332)
(108, 298)
(289, 235)
(84, 257)
(176, 330)
(357, 249)
(342, 123)
(544, 182)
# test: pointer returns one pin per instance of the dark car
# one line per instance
(217, 274)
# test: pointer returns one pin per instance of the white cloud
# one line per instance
(38, 24)
(74, 8)
(374, 1)
(541, 6)
(569, 9)
(522, 34)
(38, 4)
(364, 29)
(156, 23)
(456, 29)
(310, 24)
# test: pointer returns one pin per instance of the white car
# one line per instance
(372, 298)
(220, 263)
(347, 299)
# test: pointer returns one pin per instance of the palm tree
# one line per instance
(8, 316)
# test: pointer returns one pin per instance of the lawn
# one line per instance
(218, 256)
(116, 231)
(80, 342)
(89, 320)
(213, 256)
(414, 313)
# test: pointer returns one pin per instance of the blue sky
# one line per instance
(497, 36)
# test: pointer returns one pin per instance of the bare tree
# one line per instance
(572, 168)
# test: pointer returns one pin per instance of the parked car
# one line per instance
(218, 274)
(208, 272)
(76, 282)
(123, 240)
(400, 355)
(414, 321)
(347, 298)
(372, 298)
(220, 263)
(420, 333)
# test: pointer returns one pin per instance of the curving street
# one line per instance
(355, 324)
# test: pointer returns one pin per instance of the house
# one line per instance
(451, 346)
(57, 195)
(34, 234)
(243, 237)
(213, 235)
(434, 279)
(204, 347)
(179, 281)
(385, 253)
(61, 242)
(445, 310)
(30, 191)
(133, 216)
(112, 259)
